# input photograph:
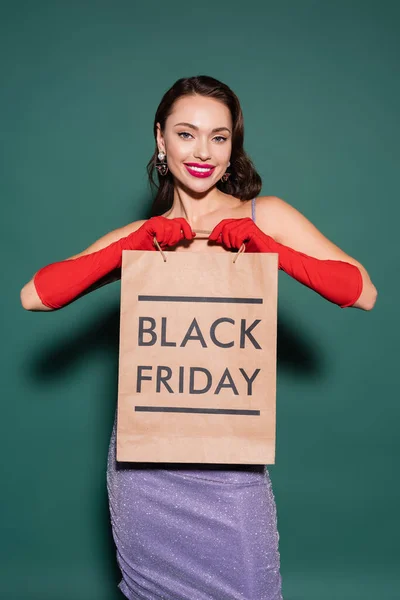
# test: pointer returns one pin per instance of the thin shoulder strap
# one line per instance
(253, 209)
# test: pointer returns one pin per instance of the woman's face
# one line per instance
(198, 131)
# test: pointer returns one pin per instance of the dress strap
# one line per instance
(253, 209)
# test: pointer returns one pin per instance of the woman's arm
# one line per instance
(29, 296)
(288, 226)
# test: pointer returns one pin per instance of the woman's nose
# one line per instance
(202, 151)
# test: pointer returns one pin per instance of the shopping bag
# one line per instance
(197, 357)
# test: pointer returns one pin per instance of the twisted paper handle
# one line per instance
(204, 231)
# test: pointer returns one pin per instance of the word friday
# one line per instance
(200, 380)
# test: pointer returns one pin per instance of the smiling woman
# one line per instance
(210, 530)
(202, 143)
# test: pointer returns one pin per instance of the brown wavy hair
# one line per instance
(244, 182)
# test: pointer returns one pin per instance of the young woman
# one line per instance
(201, 532)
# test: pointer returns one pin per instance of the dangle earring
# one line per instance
(226, 175)
(162, 166)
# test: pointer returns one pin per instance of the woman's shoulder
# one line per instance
(269, 203)
(109, 238)
(268, 212)
(120, 232)
(130, 227)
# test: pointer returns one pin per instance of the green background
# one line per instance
(319, 87)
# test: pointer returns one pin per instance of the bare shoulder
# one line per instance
(110, 238)
(269, 214)
(284, 222)
(290, 227)
(131, 227)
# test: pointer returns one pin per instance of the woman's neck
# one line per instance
(195, 209)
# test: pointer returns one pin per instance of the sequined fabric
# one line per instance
(190, 533)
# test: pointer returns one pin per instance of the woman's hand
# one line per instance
(234, 232)
(168, 232)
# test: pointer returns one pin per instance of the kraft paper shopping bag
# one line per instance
(197, 362)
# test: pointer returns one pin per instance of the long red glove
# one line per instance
(338, 281)
(59, 283)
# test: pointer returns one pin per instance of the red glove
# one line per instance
(338, 281)
(59, 283)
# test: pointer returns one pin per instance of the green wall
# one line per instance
(319, 86)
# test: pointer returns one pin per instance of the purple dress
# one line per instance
(194, 531)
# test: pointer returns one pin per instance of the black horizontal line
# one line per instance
(144, 298)
(181, 409)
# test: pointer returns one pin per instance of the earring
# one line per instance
(162, 166)
(226, 175)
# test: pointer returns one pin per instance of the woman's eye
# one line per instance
(183, 133)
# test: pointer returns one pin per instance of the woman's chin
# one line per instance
(194, 185)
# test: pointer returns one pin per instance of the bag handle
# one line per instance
(204, 236)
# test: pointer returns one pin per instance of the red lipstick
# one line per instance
(206, 169)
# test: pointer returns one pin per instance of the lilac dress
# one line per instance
(194, 531)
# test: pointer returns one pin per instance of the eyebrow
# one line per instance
(196, 128)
